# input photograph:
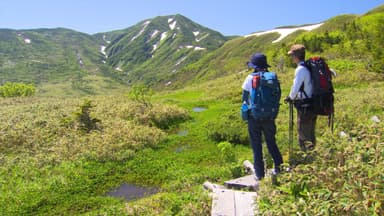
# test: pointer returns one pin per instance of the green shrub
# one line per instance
(229, 127)
(11, 89)
(165, 116)
(142, 94)
(83, 119)
(159, 115)
(227, 152)
(343, 175)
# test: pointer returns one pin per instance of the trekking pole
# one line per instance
(290, 131)
(330, 121)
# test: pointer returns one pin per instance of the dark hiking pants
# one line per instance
(268, 128)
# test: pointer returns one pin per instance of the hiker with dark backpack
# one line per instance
(301, 96)
(261, 96)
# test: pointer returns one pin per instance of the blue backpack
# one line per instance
(265, 95)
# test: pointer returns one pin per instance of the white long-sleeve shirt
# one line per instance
(302, 75)
(247, 86)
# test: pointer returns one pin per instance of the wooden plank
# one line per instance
(248, 181)
(245, 203)
(223, 203)
(227, 202)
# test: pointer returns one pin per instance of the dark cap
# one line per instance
(258, 61)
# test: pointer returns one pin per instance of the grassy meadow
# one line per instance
(55, 163)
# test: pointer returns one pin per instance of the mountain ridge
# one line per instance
(44, 55)
(170, 51)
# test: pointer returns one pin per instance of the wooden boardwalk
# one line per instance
(233, 203)
(228, 200)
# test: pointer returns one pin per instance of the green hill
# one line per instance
(170, 51)
(148, 52)
(53, 59)
(347, 41)
(154, 49)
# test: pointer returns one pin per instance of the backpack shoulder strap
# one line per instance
(255, 79)
(302, 85)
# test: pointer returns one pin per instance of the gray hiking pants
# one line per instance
(306, 123)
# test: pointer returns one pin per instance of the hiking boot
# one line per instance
(311, 147)
(258, 178)
(275, 171)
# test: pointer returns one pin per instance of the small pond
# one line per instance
(198, 109)
(131, 192)
(182, 148)
(182, 133)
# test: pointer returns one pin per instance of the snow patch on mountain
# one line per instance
(25, 39)
(163, 36)
(202, 38)
(196, 48)
(154, 33)
(284, 32)
(181, 60)
(155, 46)
(102, 50)
(196, 33)
(105, 39)
(200, 48)
(142, 30)
(172, 25)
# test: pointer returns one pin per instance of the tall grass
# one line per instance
(50, 167)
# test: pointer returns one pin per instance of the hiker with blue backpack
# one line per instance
(261, 96)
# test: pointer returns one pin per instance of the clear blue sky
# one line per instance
(230, 17)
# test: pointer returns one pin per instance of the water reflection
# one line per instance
(198, 109)
(131, 192)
